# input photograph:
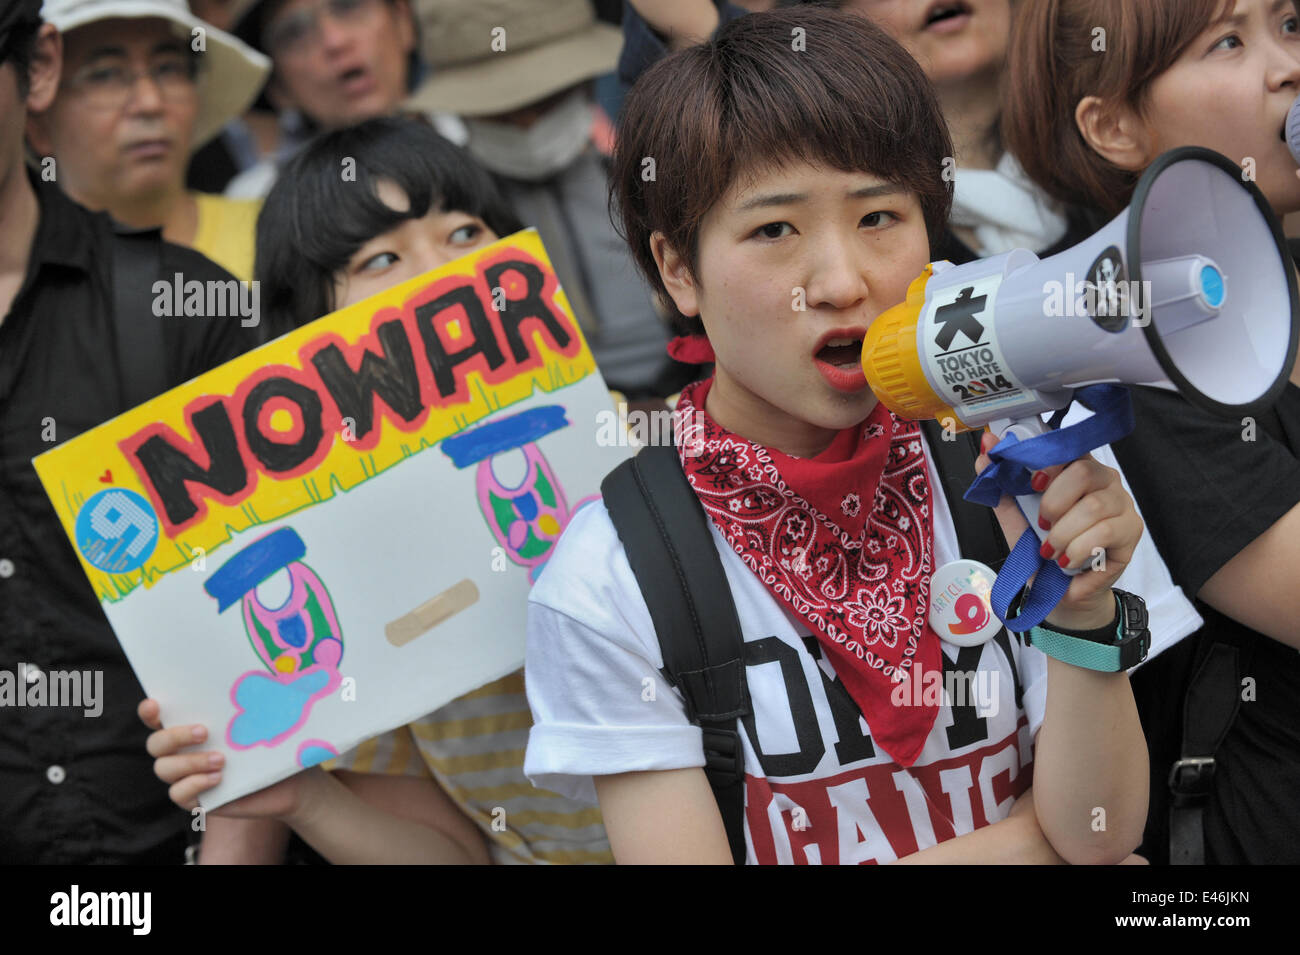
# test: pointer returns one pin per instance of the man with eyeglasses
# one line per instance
(334, 63)
(144, 84)
(79, 344)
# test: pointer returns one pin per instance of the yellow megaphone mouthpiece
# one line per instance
(893, 365)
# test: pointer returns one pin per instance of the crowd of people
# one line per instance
(834, 147)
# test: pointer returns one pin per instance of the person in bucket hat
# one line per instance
(519, 72)
(493, 56)
(123, 146)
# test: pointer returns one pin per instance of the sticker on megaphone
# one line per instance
(959, 335)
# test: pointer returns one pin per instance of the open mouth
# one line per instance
(946, 10)
(841, 352)
(356, 78)
(838, 359)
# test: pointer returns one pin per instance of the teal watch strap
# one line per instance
(1080, 652)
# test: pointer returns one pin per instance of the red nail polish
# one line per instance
(1044, 523)
(1046, 551)
(1039, 482)
(1064, 561)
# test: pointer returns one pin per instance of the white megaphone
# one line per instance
(1191, 287)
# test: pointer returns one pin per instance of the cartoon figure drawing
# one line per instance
(527, 519)
(300, 642)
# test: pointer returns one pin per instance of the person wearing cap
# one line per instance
(76, 785)
(145, 83)
(518, 73)
(335, 63)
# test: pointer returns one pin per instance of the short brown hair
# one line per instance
(790, 85)
(1053, 65)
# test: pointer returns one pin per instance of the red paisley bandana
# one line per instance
(843, 540)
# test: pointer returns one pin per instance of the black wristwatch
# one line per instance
(1120, 645)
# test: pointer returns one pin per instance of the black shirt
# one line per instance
(77, 789)
(1206, 492)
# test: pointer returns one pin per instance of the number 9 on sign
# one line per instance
(116, 530)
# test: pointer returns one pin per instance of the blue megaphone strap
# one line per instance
(1013, 463)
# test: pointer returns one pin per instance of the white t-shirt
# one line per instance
(817, 788)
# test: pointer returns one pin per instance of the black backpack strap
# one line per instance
(666, 538)
(978, 532)
(141, 357)
(1213, 698)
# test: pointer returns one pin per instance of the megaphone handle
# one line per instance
(1030, 504)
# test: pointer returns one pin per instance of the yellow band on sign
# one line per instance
(315, 412)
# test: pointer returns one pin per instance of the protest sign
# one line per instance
(336, 533)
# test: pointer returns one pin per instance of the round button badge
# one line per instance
(961, 610)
